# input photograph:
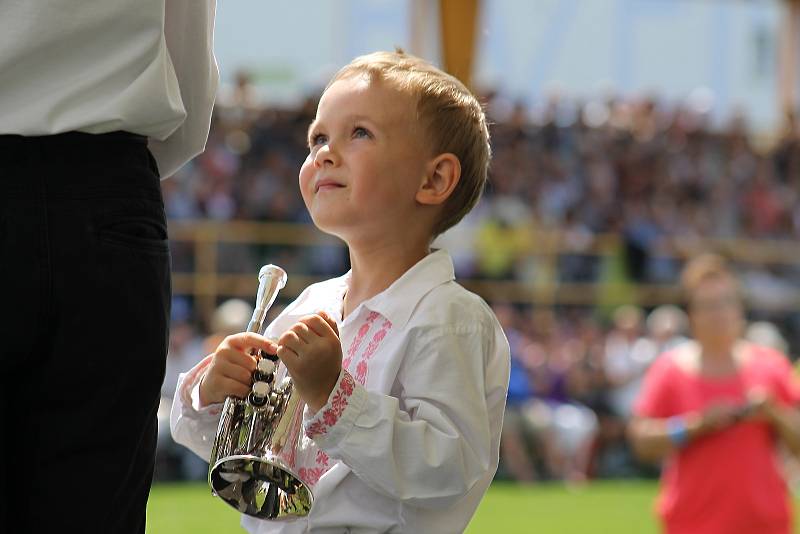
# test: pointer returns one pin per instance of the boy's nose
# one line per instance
(325, 156)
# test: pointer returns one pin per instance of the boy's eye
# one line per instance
(318, 139)
(358, 131)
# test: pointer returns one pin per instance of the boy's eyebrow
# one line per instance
(356, 118)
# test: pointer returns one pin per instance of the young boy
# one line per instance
(419, 366)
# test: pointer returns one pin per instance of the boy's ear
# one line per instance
(442, 174)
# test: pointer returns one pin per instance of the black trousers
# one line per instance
(85, 288)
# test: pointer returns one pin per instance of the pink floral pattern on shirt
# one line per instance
(356, 344)
(339, 401)
(314, 469)
(311, 475)
(363, 365)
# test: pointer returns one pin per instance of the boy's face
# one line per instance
(366, 160)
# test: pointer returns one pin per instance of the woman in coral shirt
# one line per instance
(715, 409)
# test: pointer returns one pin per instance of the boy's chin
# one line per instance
(328, 227)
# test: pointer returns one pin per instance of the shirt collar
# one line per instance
(395, 303)
(399, 300)
(328, 297)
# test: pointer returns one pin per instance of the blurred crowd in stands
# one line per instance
(659, 178)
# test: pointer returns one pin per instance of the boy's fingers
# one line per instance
(234, 388)
(273, 348)
(236, 372)
(289, 340)
(303, 332)
(318, 325)
(330, 320)
(235, 357)
(248, 340)
(288, 356)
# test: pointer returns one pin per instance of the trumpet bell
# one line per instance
(260, 488)
(248, 467)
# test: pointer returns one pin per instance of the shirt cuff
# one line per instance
(190, 390)
(211, 409)
(333, 422)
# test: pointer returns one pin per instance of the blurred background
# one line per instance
(628, 135)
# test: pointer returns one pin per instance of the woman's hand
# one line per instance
(761, 406)
(718, 417)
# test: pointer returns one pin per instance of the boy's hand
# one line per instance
(231, 368)
(312, 353)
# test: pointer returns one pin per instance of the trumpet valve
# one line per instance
(265, 366)
(259, 395)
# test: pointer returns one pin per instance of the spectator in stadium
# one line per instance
(714, 410)
(766, 334)
(98, 100)
(628, 355)
(666, 327)
(518, 443)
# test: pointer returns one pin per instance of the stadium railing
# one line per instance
(206, 284)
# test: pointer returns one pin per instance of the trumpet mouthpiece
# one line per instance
(271, 279)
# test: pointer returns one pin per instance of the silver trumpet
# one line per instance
(257, 437)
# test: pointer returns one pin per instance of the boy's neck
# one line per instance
(373, 269)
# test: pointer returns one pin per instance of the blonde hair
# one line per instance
(451, 115)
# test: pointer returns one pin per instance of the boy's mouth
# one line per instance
(326, 185)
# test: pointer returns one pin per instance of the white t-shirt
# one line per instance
(412, 443)
(142, 66)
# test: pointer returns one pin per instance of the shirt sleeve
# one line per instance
(429, 445)
(787, 381)
(656, 398)
(191, 425)
(189, 32)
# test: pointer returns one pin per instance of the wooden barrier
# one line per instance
(207, 285)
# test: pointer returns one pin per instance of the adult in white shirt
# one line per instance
(98, 100)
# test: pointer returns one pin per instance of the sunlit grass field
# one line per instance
(599, 508)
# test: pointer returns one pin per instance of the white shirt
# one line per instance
(143, 66)
(412, 442)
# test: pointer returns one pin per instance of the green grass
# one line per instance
(599, 508)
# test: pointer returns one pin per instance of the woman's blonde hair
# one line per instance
(450, 114)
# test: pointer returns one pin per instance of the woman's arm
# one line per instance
(655, 439)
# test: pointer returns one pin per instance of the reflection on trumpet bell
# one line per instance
(261, 489)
